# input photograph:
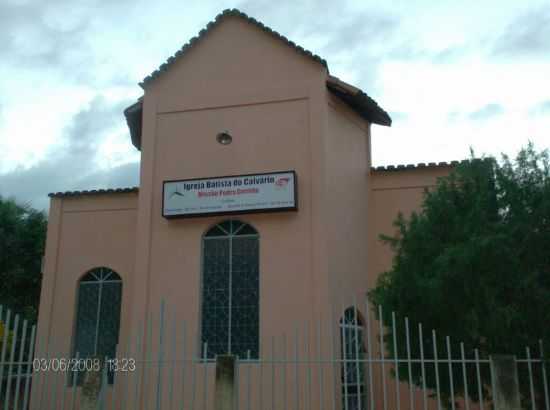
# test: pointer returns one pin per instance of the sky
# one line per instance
(453, 75)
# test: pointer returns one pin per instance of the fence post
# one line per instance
(92, 387)
(224, 395)
(504, 371)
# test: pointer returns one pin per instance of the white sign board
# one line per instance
(275, 191)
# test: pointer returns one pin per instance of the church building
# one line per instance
(257, 209)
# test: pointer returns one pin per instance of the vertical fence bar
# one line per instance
(125, 393)
(43, 374)
(357, 371)
(4, 347)
(344, 349)
(29, 368)
(544, 377)
(531, 384)
(396, 361)
(160, 356)
(273, 372)
(307, 363)
(492, 379)
(140, 336)
(205, 375)
(384, 392)
(436, 366)
(148, 350)
(20, 363)
(409, 364)
(116, 378)
(261, 396)
(333, 358)
(422, 367)
(248, 380)
(465, 377)
(194, 377)
(74, 377)
(183, 366)
(55, 380)
(320, 358)
(284, 371)
(236, 385)
(12, 358)
(479, 384)
(451, 382)
(369, 348)
(172, 364)
(104, 382)
(296, 373)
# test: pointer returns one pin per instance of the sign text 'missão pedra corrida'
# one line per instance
(268, 192)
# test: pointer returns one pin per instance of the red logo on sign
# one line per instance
(282, 182)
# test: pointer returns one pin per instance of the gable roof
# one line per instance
(219, 18)
(355, 98)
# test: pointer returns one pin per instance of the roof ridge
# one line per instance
(226, 13)
(93, 192)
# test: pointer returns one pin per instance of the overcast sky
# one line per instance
(452, 75)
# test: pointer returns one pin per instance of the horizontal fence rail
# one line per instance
(349, 358)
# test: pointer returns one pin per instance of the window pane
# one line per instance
(109, 318)
(86, 320)
(215, 231)
(215, 296)
(245, 297)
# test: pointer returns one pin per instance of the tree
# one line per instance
(22, 238)
(474, 264)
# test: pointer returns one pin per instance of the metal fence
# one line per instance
(340, 360)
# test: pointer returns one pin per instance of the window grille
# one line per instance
(230, 290)
(98, 315)
(353, 353)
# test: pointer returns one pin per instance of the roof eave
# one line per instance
(133, 116)
(359, 101)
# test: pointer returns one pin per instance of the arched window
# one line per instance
(353, 352)
(230, 290)
(98, 314)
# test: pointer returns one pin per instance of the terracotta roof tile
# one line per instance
(420, 165)
(93, 192)
(220, 17)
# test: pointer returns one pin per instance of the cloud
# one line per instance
(486, 112)
(73, 163)
(527, 36)
(541, 109)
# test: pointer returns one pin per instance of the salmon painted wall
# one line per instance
(347, 191)
(272, 101)
(84, 234)
(393, 192)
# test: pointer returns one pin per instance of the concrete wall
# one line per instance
(347, 190)
(84, 233)
(393, 192)
(270, 98)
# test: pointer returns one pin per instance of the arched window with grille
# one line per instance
(98, 314)
(353, 354)
(230, 290)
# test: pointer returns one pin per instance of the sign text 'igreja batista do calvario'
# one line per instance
(266, 192)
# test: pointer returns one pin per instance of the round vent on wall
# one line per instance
(224, 138)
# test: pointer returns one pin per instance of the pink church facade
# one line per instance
(310, 250)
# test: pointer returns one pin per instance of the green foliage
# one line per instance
(474, 264)
(22, 238)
